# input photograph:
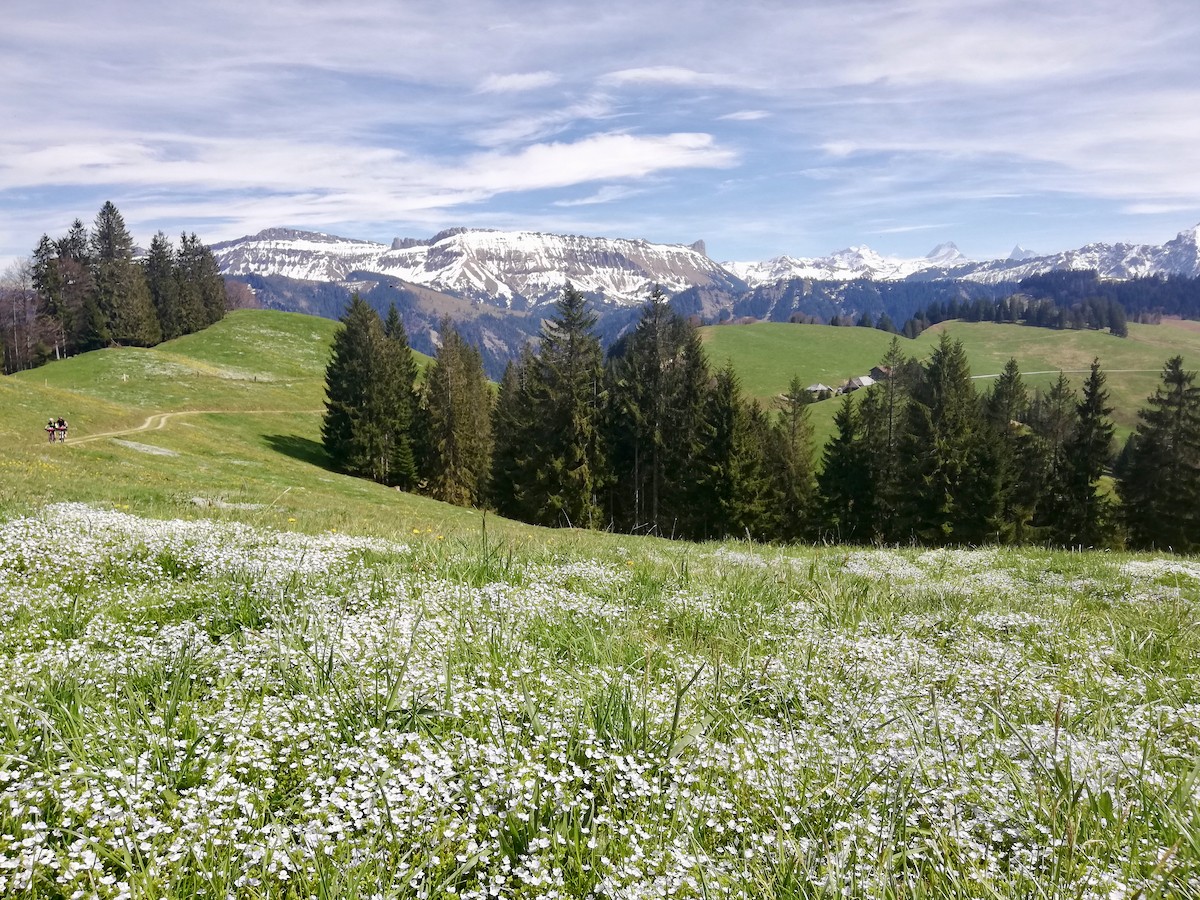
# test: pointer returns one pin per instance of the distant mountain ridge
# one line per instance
(1179, 256)
(511, 269)
(497, 285)
(525, 270)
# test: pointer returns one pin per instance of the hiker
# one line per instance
(50, 429)
(61, 427)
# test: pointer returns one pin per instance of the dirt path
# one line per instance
(158, 421)
(1077, 372)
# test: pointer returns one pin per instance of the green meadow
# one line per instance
(226, 671)
(768, 355)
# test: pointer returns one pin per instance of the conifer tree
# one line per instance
(734, 487)
(883, 423)
(457, 402)
(657, 384)
(790, 464)
(1088, 515)
(945, 498)
(347, 379)
(844, 482)
(567, 394)
(1012, 455)
(51, 295)
(514, 429)
(1160, 479)
(120, 285)
(201, 288)
(87, 327)
(163, 283)
(399, 377)
(366, 429)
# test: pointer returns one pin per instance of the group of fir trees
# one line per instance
(650, 440)
(922, 457)
(380, 423)
(91, 292)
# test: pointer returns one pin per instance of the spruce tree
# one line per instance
(1159, 483)
(196, 285)
(367, 426)
(87, 327)
(1012, 455)
(945, 498)
(514, 431)
(163, 282)
(348, 381)
(457, 401)
(844, 483)
(734, 487)
(399, 377)
(658, 381)
(120, 284)
(567, 396)
(883, 426)
(51, 295)
(1088, 515)
(790, 464)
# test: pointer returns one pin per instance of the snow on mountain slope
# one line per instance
(1179, 256)
(508, 268)
(304, 255)
(520, 269)
(846, 265)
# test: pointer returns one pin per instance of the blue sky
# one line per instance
(762, 127)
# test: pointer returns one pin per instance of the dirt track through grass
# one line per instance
(158, 421)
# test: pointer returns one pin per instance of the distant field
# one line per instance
(767, 355)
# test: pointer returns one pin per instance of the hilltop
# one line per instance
(224, 422)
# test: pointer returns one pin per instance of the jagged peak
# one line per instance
(947, 250)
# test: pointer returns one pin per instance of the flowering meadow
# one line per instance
(205, 709)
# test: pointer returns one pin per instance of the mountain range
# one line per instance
(523, 269)
(497, 285)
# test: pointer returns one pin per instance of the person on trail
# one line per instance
(61, 427)
(50, 429)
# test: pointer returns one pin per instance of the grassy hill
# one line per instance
(222, 422)
(767, 355)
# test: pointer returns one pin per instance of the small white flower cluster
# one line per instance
(207, 710)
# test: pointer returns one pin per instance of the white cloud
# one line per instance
(745, 115)
(675, 76)
(522, 81)
(607, 194)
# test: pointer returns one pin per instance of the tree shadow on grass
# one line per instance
(301, 448)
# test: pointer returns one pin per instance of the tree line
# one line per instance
(86, 290)
(1096, 313)
(649, 439)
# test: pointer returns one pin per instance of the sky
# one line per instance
(763, 128)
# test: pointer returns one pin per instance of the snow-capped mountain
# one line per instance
(515, 269)
(1179, 256)
(846, 265)
(525, 269)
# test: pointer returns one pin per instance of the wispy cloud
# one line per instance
(745, 115)
(674, 76)
(517, 81)
(610, 193)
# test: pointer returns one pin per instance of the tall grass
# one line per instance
(196, 708)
